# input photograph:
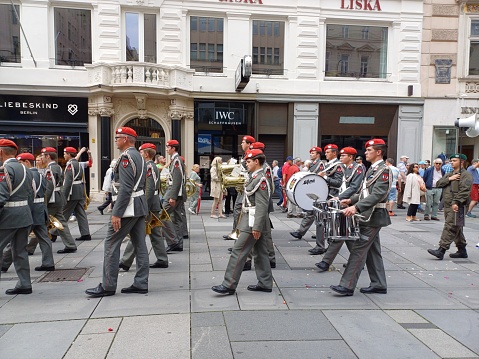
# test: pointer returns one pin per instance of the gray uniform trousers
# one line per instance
(366, 250)
(172, 229)
(57, 212)
(306, 223)
(41, 236)
(242, 247)
(157, 243)
(18, 238)
(269, 244)
(237, 209)
(333, 250)
(184, 223)
(135, 226)
(82, 220)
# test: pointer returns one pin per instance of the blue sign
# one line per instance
(204, 143)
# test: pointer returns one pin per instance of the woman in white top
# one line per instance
(412, 191)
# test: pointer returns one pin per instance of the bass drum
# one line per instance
(301, 184)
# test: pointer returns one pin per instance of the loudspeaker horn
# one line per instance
(471, 122)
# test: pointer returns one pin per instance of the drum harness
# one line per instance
(329, 170)
(347, 180)
(115, 185)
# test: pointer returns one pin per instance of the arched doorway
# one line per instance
(148, 130)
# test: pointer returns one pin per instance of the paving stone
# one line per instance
(201, 267)
(4, 328)
(210, 319)
(100, 326)
(210, 343)
(395, 279)
(390, 339)
(406, 316)
(90, 346)
(467, 296)
(303, 278)
(449, 279)
(204, 300)
(441, 343)
(165, 336)
(249, 300)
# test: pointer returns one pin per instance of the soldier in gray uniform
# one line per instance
(370, 203)
(40, 218)
(148, 151)
(74, 192)
(16, 203)
(55, 198)
(456, 187)
(174, 198)
(252, 226)
(353, 177)
(128, 217)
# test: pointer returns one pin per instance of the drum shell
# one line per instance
(341, 227)
(302, 183)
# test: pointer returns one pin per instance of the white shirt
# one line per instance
(437, 175)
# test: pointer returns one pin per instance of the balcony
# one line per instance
(137, 74)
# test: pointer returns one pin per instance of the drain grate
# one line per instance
(63, 275)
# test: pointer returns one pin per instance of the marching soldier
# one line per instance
(75, 193)
(40, 218)
(353, 177)
(370, 203)
(128, 217)
(253, 224)
(55, 198)
(456, 187)
(16, 203)
(148, 152)
(174, 198)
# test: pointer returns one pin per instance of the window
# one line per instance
(140, 37)
(206, 34)
(72, 36)
(268, 47)
(474, 48)
(356, 51)
(9, 34)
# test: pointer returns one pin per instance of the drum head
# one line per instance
(309, 183)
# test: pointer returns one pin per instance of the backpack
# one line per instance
(280, 172)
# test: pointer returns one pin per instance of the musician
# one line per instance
(257, 194)
(128, 217)
(55, 199)
(74, 191)
(40, 218)
(246, 141)
(174, 198)
(16, 203)
(148, 151)
(353, 177)
(370, 203)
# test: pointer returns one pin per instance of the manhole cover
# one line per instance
(62, 275)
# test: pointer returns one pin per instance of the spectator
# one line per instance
(277, 183)
(195, 197)
(284, 172)
(412, 191)
(359, 161)
(402, 167)
(306, 165)
(231, 194)
(422, 167)
(291, 171)
(472, 169)
(447, 168)
(216, 190)
(393, 192)
(433, 195)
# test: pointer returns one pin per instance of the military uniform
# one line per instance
(74, 191)
(371, 204)
(176, 190)
(56, 202)
(154, 206)
(16, 203)
(239, 198)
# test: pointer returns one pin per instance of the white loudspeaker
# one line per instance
(472, 123)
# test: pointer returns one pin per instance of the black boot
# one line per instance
(438, 253)
(461, 253)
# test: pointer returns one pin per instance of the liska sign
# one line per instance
(368, 5)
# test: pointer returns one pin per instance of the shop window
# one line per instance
(444, 140)
(474, 48)
(72, 36)
(10, 34)
(140, 36)
(206, 35)
(356, 51)
(268, 47)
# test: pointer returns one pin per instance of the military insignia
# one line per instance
(254, 176)
(69, 167)
(385, 177)
(148, 173)
(339, 169)
(359, 170)
(263, 185)
(177, 164)
(48, 176)
(2, 177)
(268, 174)
(125, 162)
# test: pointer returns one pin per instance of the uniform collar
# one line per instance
(255, 172)
(376, 164)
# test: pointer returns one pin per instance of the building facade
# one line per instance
(323, 71)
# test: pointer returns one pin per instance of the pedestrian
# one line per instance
(277, 184)
(216, 188)
(456, 188)
(433, 195)
(107, 181)
(370, 203)
(402, 167)
(359, 161)
(473, 170)
(197, 180)
(128, 217)
(392, 196)
(412, 191)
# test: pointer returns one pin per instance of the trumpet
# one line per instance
(53, 223)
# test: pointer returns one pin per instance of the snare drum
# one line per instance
(341, 227)
(301, 184)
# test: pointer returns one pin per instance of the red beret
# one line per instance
(172, 143)
(182, 158)
(147, 145)
(257, 146)
(70, 150)
(331, 146)
(249, 139)
(374, 141)
(349, 151)
(8, 143)
(48, 150)
(126, 131)
(317, 149)
(25, 156)
(253, 154)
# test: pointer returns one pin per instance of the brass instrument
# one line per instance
(53, 224)
(163, 184)
(191, 188)
(229, 176)
(236, 182)
(87, 199)
(164, 216)
(153, 222)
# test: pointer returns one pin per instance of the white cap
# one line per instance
(404, 156)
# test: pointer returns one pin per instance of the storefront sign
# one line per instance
(43, 109)
(369, 5)
(259, 2)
